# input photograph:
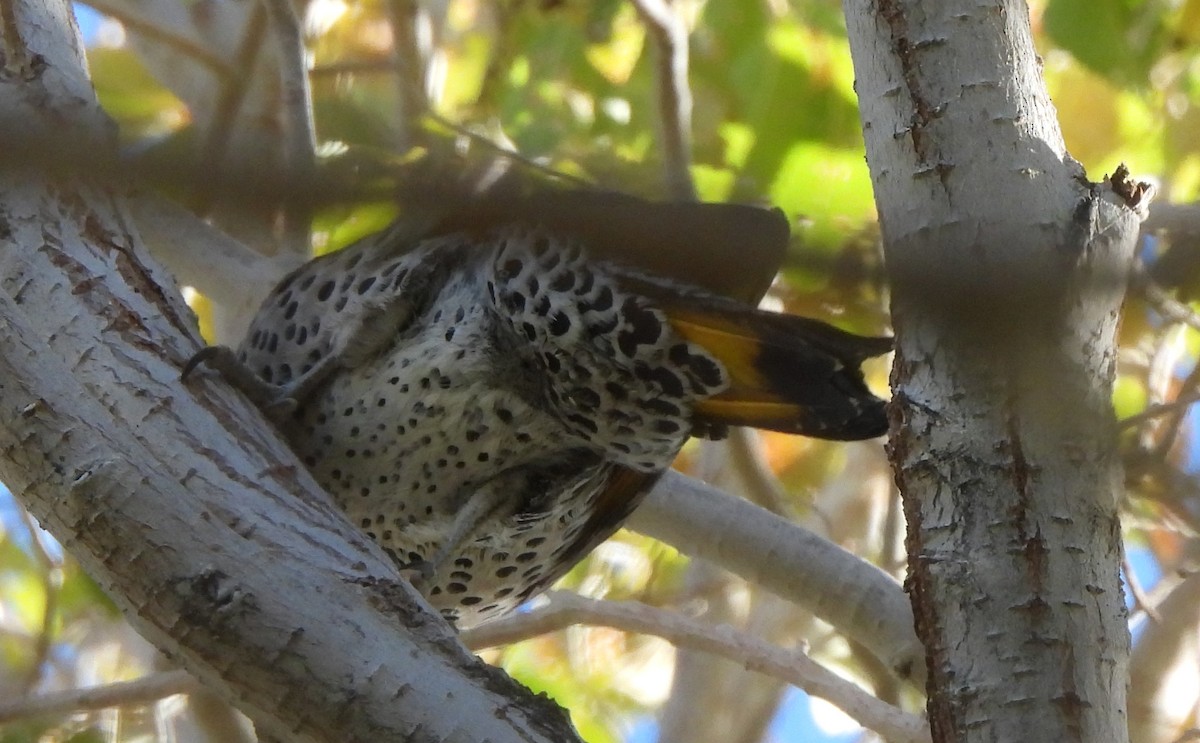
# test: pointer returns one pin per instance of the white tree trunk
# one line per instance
(1008, 270)
(181, 501)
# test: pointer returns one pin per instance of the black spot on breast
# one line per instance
(542, 308)
(603, 300)
(505, 571)
(511, 268)
(365, 285)
(308, 281)
(617, 390)
(559, 324)
(283, 298)
(563, 282)
(587, 281)
(583, 422)
(353, 260)
(659, 406)
(666, 426)
(273, 343)
(603, 327)
(586, 397)
(289, 332)
(341, 303)
(326, 290)
(470, 600)
(534, 286)
(450, 334)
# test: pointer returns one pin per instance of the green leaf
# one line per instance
(1120, 39)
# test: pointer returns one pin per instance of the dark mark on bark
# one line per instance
(893, 14)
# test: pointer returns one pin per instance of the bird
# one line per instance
(490, 396)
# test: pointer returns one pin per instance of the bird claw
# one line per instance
(419, 573)
(274, 401)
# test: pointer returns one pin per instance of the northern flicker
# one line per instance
(490, 401)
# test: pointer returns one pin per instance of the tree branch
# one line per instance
(1007, 271)
(564, 609)
(182, 502)
(851, 594)
(674, 94)
(143, 691)
(299, 133)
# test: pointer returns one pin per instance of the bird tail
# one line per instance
(787, 373)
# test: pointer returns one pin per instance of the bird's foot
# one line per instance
(276, 402)
(419, 573)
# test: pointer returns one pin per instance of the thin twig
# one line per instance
(165, 35)
(299, 140)
(565, 609)
(142, 691)
(409, 64)
(1175, 418)
(1177, 405)
(761, 484)
(229, 102)
(51, 587)
(1140, 599)
(352, 67)
(507, 152)
(1170, 308)
(674, 94)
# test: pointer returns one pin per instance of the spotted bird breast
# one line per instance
(510, 369)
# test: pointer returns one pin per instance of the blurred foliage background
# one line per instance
(571, 86)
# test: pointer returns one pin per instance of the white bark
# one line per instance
(854, 596)
(1008, 271)
(181, 501)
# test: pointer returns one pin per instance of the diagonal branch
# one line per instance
(565, 609)
(851, 594)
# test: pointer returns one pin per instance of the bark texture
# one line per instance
(1008, 272)
(181, 501)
